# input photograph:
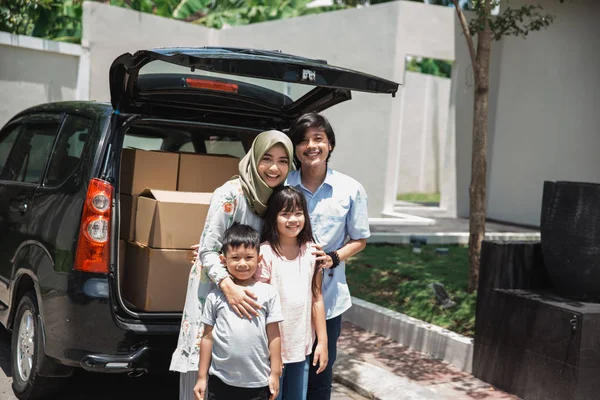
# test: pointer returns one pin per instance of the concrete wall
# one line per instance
(547, 124)
(34, 71)
(110, 31)
(543, 122)
(352, 39)
(423, 133)
(371, 39)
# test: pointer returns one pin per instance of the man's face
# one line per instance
(314, 149)
(241, 262)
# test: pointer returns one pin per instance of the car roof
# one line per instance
(90, 109)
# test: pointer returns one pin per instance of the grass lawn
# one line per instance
(419, 197)
(394, 277)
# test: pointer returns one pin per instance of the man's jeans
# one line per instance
(319, 386)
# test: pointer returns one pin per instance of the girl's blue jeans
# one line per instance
(293, 384)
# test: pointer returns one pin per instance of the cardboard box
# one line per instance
(128, 210)
(170, 220)
(157, 278)
(122, 257)
(205, 173)
(141, 169)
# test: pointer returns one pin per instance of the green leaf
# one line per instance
(187, 8)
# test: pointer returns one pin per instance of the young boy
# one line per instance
(246, 354)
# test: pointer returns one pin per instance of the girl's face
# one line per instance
(273, 167)
(290, 223)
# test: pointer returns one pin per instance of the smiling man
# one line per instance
(337, 206)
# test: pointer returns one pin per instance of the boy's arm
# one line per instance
(318, 318)
(205, 356)
(219, 218)
(275, 357)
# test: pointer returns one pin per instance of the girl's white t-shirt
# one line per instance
(293, 281)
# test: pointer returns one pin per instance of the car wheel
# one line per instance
(25, 353)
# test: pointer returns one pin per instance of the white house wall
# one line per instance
(35, 71)
(424, 128)
(111, 31)
(547, 124)
(359, 39)
(373, 39)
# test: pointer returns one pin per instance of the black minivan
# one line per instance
(59, 194)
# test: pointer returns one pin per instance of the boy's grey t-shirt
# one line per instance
(240, 354)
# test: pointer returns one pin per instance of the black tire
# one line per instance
(26, 352)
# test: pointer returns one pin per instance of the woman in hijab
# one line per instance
(243, 200)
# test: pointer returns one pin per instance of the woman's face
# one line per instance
(274, 166)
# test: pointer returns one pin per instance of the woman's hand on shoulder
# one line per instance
(240, 299)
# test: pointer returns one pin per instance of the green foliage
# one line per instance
(396, 278)
(48, 19)
(417, 197)
(519, 22)
(430, 66)
(61, 19)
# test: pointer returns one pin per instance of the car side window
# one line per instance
(30, 152)
(40, 145)
(68, 149)
(7, 141)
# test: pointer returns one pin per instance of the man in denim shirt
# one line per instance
(337, 206)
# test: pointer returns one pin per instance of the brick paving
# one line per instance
(435, 375)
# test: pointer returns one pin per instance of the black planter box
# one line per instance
(528, 341)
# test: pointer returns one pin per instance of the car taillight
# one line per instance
(93, 245)
(211, 85)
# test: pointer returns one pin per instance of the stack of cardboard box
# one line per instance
(164, 201)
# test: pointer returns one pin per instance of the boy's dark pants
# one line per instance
(319, 386)
(219, 390)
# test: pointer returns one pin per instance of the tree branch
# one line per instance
(467, 33)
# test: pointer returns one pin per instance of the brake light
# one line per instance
(211, 85)
(92, 253)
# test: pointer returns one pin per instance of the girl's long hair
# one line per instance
(285, 198)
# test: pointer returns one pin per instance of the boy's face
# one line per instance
(241, 262)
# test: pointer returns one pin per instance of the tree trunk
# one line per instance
(477, 189)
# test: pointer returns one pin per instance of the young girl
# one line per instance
(289, 264)
(243, 199)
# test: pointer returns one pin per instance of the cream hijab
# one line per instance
(256, 190)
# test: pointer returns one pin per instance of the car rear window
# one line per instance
(159, 75)
(173, 140)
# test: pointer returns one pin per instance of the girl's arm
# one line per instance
(275, 358)
(321, 355)
(223, 205)
(205, 356)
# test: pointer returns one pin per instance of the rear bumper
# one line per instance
(143, 360)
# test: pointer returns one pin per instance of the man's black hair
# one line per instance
(303, 124)
(240, 235)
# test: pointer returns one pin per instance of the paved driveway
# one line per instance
(90, 386)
